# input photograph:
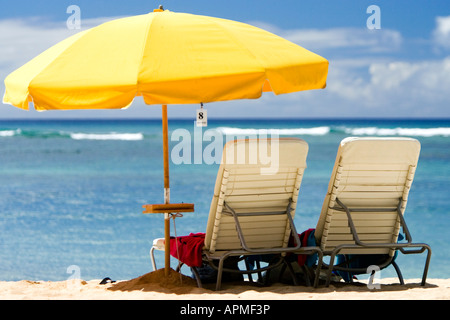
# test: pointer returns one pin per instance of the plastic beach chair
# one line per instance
(367, 194)
(253, 205)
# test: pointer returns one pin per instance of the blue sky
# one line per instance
(401, 70)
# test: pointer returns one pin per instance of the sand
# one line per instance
(154, 286)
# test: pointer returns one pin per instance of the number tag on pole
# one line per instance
(202, 120)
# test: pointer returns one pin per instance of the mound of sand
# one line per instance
(175, 282)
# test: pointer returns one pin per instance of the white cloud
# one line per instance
(23, 39)
(399, 88)
(373, 41)
(371, 84)
(441, 34)
(340, 38)
(430, 75)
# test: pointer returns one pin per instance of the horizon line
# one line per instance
(233, 119)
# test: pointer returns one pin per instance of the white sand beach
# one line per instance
(153, 286)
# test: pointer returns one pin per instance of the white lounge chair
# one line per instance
(254, 202)
(363, 210)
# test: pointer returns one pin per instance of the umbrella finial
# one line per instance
(160, 9)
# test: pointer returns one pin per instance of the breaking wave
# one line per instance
(315, 131)
(71, 135)
(354, 131)
(107, 136)
(417, 132)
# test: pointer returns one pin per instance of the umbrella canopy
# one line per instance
(168, 58)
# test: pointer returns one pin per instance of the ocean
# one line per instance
(72, 191)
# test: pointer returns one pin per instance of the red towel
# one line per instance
(304, 240)
(189, 249)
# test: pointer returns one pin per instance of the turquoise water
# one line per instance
(71, 192)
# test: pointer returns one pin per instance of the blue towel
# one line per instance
(362, 261)
(310, 260)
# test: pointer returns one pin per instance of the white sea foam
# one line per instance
(421, 132)
(9, 133)
(107, 136)
(315, 131)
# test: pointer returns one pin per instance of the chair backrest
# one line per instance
(372, 173)
(256, 175)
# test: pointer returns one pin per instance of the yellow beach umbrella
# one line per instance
(167, 58)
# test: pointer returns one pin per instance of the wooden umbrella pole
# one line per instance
(167, 207)
(166, 188)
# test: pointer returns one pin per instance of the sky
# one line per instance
(393, 62)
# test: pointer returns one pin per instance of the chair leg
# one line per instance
(196, 276)
(291, 271)
(152, 258)
(283, 269)
(306, 276)
(349, 274)
(319, 267)
(260, 276)
(178, 269)
(247, 265)
(330, 269)
(219, 273)
(427, 263)
(399, 273)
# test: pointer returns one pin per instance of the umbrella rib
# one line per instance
(147, 35)
(242, 46)
(78, 36)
